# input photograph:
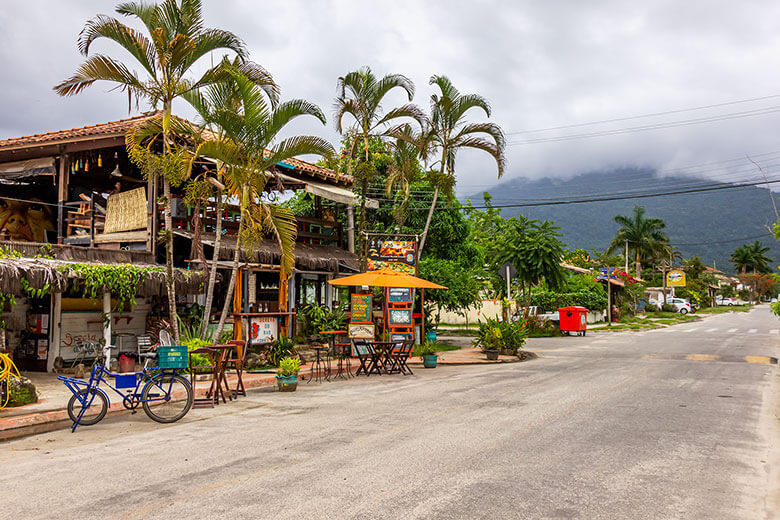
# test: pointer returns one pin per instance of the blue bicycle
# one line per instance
(164, 394)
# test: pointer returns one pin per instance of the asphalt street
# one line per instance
(675, 423)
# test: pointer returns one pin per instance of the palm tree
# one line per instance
(177, 39)
(361, 95)
(403, 173)
(742, 258)
(758, 257)
(644, 236)
(247, 122)
(449, 132)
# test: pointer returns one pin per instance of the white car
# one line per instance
(681, 305)
(720, 300)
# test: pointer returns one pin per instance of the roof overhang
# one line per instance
(30, 168)
(326, 191)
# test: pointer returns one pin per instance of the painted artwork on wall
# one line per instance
(25, 221)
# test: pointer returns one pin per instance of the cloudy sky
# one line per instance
(540, 64)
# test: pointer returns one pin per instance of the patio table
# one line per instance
(343, 364)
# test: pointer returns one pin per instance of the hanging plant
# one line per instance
(121, 280)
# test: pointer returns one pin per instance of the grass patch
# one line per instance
(722, 309)
(442, 347)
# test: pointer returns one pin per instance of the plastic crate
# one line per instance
(172, 357)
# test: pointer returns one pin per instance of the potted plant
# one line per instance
(287, 375)
(490, 339)
(427, 351)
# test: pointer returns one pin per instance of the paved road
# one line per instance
(668, 424)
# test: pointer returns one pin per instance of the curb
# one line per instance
(43, 422)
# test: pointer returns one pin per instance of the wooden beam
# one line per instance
(62, 194)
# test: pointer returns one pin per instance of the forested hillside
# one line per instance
(711, 224)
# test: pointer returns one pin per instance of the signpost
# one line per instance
(608, 273)
(675, 278)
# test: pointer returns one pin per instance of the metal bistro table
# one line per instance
(343, 352)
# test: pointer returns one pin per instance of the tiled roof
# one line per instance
(121, 126)
(111, 128)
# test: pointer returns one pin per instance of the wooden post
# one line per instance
(350, 228)
(422, 313)
(609, 300)
(62, 195)
(107, 322)
(237, 297)
(55, 330)
(285, 320)
(150, 214)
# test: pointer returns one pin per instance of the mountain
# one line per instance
(711, 223)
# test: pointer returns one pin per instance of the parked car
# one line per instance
(720, 300)
(681, 305)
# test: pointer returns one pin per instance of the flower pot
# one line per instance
(287, 383)
(430, 360)
(430, 336)
(492, 354)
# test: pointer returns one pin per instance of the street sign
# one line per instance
(503, 270)
(606, 273)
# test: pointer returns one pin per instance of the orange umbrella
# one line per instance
(386, 277)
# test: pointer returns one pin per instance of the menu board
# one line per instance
(360, 331)
(399, 255)
(399, 294)
(360, 311)
(399, 316)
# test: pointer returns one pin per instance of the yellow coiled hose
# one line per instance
(7, 369)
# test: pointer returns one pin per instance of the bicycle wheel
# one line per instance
(94, 411)
(175, 398)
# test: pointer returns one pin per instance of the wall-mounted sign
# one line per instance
(675, 279)
(606, 273)
(399, 294)
(263, 329)
(399, 317)
(360, 310)
(399, 255)
(360, 330)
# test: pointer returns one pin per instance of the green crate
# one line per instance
(172, 357)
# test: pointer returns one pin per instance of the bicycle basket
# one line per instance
(172, 356)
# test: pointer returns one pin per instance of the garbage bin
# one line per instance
(573, 319)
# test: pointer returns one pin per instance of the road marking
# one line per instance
(774, 331)
(692, 330)
(711, 330)
(702, 357)
(732, 330)
(752, 331)
(763, 360)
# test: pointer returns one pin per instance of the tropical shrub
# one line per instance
(283, 347)
(425, 349)
(314, 319)
(501, 335)
(289, 366)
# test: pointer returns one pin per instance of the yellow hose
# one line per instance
(7, 369)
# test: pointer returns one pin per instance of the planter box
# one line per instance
(287, 383)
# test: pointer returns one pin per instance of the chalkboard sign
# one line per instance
(399, 316)
(399, 295)
(360, 311)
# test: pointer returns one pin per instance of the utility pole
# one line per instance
(507, 282)
(625, 250)
(663, 267)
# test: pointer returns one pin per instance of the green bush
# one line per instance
(425, 349)
(280, 349)
(501, 335)
(196, 343)
(289, 366)
(314, 319)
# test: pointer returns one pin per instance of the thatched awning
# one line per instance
(307, 257)
(41, 271)
(78, 253)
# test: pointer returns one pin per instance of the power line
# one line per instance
(617, 197)
(641, 116)
(657, 126)
(726, 241)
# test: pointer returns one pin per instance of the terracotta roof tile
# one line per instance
(110, 128)
(121, 126)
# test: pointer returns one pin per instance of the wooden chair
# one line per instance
(364, 353)
(236, 362)
(211, 367)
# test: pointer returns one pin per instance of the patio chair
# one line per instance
(211, 367)
(404, 353)
(237, 364)
(366, 355)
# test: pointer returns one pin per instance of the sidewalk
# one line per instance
(50, 412)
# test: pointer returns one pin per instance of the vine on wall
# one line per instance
(121, 280)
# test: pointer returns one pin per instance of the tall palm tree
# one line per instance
(742, 258)
(177, 39)
(644, 235)
(449, 132)
(247, 127)
(361, 95)
(403, 173)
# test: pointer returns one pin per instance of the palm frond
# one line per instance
(409, 110)
(134, 42)
(486, 146)
(213, 39)
(295, 146)
(288, 111)
(102, 68)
